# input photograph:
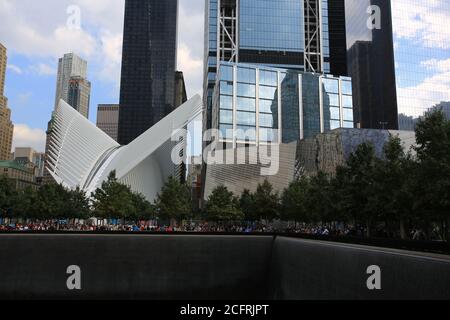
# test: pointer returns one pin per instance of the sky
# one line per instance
(37, 33)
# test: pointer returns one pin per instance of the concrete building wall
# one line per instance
(325, 152)
(237, 177)
(200, 267)
(6, 126)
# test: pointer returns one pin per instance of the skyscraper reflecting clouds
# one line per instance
(422, 54)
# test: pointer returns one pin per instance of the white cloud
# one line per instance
(25, 136)
(437, 65)
(38, 30)
(23, 98)
(14, 68)
(192, 69)
(430, 92)
(43, 69)
(422, 21)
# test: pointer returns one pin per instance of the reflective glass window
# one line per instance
(335, 124)
(268, 135)
(226, 131)
(331, 85)
(268, 120)
(268, 78)
(346, 87)
(246, 133)
(268, 106)
(246, 90)
(348, 115)
(246, 75)
(349, 124)
(271, 25)
(347, 101)
(226, 116)
(226, 87)
(267, 92)
(246, 118)
(331, 99)
(246, 104)
(226, 102)
(335, 113)
(226, 73)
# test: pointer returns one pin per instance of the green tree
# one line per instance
(294, 201)
(52, 202)
(27, 204)
(267, 201)
(355, 184)
(143, 210)
(223, 206)
(433, 155)
(318, 199)
(113, 199)
(392, 190)
(248, 206)
(174, 201)
(8, 196)
(79, 207)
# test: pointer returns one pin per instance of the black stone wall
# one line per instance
(212, 267)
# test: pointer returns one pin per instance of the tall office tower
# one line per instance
(73, 87)
(371, 63)
(3, 60)
(307, 35)
(422, 56)
(79, 93)
(148, 65)
(6, 126)
(69, 66)
(108, 119)
(180, 89)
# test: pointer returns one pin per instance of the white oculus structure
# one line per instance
(83, 156)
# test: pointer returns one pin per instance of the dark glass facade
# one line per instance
(371, 64)
(337, 38)
(147, 92)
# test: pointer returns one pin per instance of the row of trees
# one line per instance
(401, 189)
(53, 201)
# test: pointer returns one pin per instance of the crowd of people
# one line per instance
(187, 227)
(196, 227)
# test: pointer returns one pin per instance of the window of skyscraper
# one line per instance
(271, 25)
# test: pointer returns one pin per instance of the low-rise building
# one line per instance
(20, 175)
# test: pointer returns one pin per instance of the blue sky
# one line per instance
(36, 34)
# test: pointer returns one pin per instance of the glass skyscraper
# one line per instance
(422, 57)
(401, 69)
(147, 92)
(305, 35)
(259, 104)
(371, 63)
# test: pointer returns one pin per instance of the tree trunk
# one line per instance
(368, 233)
(402, 229)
